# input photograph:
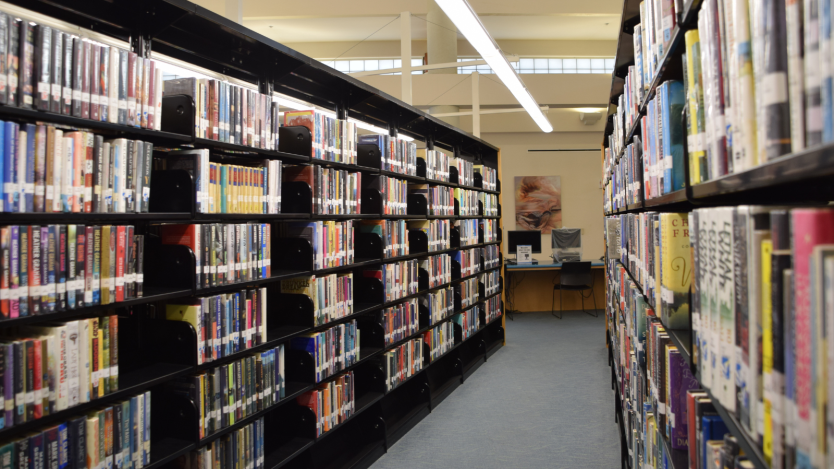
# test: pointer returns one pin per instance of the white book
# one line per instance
(146, 430)
(113, 91)
(725, 300)
(84, 366)
(72, 364)
(124, 190)
(66, 180)
(796, 73)
(57, 170)
(745, 133)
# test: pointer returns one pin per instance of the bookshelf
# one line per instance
(154, 353)
(800, 178)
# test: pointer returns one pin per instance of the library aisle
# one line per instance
(543, 401)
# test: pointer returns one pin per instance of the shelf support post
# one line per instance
(476, 105)
(405, 52)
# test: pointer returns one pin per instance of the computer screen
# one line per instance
(525, 238)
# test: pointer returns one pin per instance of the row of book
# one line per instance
(438, 232)
(439, 340)
(334, 191)
(241, 448)
(397, 155)
(399, 321)
(438, 268)
(332, 139)
(332, 241)
(393, 233)
(490, 256)
(225, 324)
(465, 170)
(231, 392)
(467, 202)
(225, 253)
(47, 69)
(394, 194)
(440, 304)
(489, 204)
(402, 362)
(468, 321)
(467, 231)
(492, 308)
(332, 350)
(331, 403)
(47, 369)
(437, 163)
(440, 199)
(46, 269)
(469, 261)
(118, 435)
(661, 397)
(468, 291)
(489, 177)
(490, 229)
(760, 275)
(399, 279)
(491, 282)
(44, 168)
(229, 113)
(332, 295)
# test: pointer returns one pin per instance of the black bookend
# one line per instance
(423, 315)
(368, 246)
(172, 191)
(296, 197)
(300, 365)
(368, 155)
(481, 290)
(499, 210)
(367, 291)
(371, 201)
(178, 114)
(422, 279)
(370, 377)
(287, 430)
(457, 208)
(480, 234)
(454, 238)
(372, 334)
(480, 208)
(295, 140)
(418, 242)
(455, 270)
(295, 309)
(453, 174)
(169, 266)
(482, 318)
(292, 254)
(306, 421)
(175, 419)
(479, 180)
(458, 300)
(500, 236)
(498, 185)
(458, 333)
(417, 204)
(421, 167)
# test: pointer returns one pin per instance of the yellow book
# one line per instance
(202, 406)
(100, 356)
(93, 357)
(676, 257)
(657, 306)
(192, 314)
(92, 440)
(767, 348)
(695, 104)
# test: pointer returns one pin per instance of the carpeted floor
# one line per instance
(542, 401)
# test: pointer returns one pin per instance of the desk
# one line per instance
(530, 287)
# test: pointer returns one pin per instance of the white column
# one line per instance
(405, 52)
(234, 10)
(476, 104)
(442, 47)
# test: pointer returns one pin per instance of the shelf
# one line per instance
(275, 337)
(345, 166)
(389, 391)
(676, 197)
(259, 152)
(167, 450)
(364, 402)
(683, 341)
(72, 218)
(131, 383)
(750, 446)
(277, 274)
(408, 177)
(285, 453)
(227, 217)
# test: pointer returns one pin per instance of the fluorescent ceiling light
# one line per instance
(379, 130)
(468, 23)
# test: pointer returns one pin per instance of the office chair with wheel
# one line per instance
(575, 276)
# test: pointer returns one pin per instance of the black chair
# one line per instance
(575, 276)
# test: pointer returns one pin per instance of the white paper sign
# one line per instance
(524, 254)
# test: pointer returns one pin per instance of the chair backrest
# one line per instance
(576, 273)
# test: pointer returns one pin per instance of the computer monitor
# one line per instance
(524, 238)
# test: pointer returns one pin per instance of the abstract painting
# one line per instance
(538, 203)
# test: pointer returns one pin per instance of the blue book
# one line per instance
(218, 332)
(672, 102)
(262, 260)
(146, 431)
(29, 189)
(309, 343)
(36, 451)
(124, 453)
(133, 421)
(63, 446)
(826, 82)
(18, 177)
(9, 133)
(3, 164)
(712, 428)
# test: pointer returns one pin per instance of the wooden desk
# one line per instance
(534, 290)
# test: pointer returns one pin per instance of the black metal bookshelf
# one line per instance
(157, 352)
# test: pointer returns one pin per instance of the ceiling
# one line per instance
(376, 20)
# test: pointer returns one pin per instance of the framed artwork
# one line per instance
(538, 203)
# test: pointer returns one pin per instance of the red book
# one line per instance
(38, 378)
(131, 88)
(86, 62)
(89, 147)
(811, 227)
(215, 106)
(151, 94)
(5, 272)
(120, 263)
(310, 399)
(95, 83)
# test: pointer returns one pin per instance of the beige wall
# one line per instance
(580, 176)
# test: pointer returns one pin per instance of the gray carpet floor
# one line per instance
(542, 401)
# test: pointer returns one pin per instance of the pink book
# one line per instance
(811, 227)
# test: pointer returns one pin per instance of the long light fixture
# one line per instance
(470, 25)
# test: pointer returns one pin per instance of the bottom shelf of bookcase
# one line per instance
(678, 459)
(167, 450)
(361, 459)
(404, 423)
(748, 445)
(280, 456)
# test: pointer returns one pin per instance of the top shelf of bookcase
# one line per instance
(188, 32)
